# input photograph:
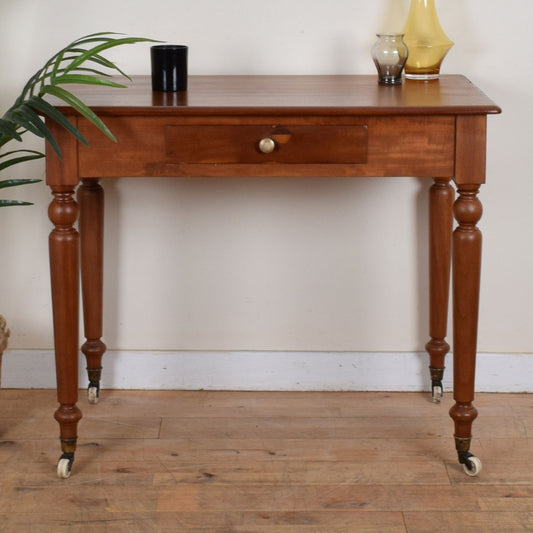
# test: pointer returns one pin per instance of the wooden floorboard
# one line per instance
(222, 462)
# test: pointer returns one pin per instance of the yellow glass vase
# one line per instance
(426, 40)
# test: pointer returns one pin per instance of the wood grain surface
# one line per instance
(265, 462)
(342, 95)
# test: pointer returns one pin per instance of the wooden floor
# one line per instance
(265, 462)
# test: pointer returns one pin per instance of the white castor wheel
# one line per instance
(93, 394)
(64, 465)
(436, 392)
(472, 467)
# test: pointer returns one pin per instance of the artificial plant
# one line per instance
(81, 62)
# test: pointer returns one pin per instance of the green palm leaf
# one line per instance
(44, 107)
(109, 43)
(7, 203)
(81, 62)
(86, 79)
(30, 155)
(8, 130)
(34, 124)
(79, 106)
(68, 66)
(15, 183)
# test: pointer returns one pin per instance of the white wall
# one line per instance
(278, 264)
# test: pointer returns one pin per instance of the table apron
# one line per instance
(336, 146)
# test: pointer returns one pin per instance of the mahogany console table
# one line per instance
(274, 126)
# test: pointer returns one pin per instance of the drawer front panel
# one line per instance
(310, 146)
(291, 144)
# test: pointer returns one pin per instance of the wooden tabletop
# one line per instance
(330, 95)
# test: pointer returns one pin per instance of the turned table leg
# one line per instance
(441, 197)
(466, 279)
(91, 226)
(64, 270)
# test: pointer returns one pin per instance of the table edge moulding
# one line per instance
(294, 126)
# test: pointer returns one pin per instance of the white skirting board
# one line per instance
(262, 370)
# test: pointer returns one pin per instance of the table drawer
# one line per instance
(309, 146)
(242, 144)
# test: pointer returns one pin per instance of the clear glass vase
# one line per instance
(389, 54)
(426, 40)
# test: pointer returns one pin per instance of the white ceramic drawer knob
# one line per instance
(267, 145)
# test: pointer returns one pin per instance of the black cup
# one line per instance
(169, 67)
